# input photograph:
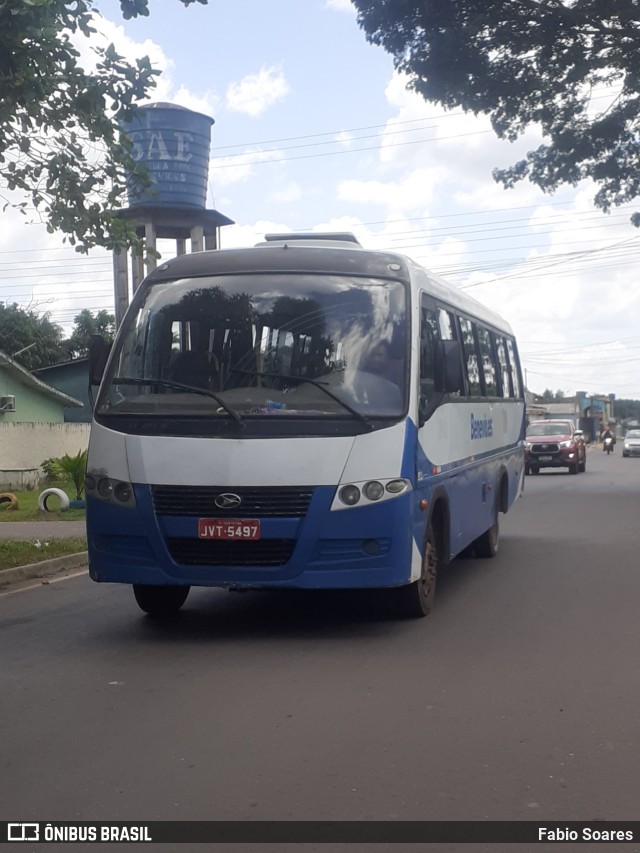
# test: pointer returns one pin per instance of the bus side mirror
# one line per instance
(449, 368)
(99, 351)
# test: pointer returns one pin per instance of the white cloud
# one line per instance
(239, 236)
(339, 5)
(239, 167)
(108, 32)
(344, 138)
(412, 192)
(291, 192)
(207, 102)
(255, 93)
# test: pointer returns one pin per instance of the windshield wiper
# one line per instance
(180, 386)
(316, 384)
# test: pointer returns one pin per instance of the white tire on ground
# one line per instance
(44, 498)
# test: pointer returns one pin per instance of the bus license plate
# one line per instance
(545, 458)
(228, 528)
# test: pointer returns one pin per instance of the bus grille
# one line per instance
(256, 501)
(220, 552)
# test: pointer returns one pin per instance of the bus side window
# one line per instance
(503, 373)
(514, 368)
(447, 325)
(488, 362)
(428, 344)
(470, 358)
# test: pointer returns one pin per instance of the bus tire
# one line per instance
(160, 600)
(43, 500)
(486, 545)
(415, 600)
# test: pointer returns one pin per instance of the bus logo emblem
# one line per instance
(228, 501)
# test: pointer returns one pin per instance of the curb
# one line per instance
(42, 569)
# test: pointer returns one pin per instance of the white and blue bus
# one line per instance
(303, 413)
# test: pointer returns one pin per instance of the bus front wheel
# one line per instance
(416, 599)
(160, 600)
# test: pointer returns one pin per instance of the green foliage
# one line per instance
(86, 325)
(627, 409)
(20, 328)
(548, 396)
(48, 470)
(68, 467)
(523, 63)
(60, 145)
(42, 340)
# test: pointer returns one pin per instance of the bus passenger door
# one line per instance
(441, 385)
(433, 432)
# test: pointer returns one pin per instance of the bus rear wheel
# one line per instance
(160, 600)
(486, 545)
(416, 599)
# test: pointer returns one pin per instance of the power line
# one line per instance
(344, 151)
(429, 118)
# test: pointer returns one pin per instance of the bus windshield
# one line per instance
(262, 344)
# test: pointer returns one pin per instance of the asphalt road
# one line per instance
(28, 530)
(517, 699)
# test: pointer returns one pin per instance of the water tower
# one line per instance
(173, 143)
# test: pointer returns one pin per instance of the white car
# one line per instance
(631, 444)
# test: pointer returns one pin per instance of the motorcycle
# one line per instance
(608, 444)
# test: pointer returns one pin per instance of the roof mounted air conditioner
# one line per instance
(343, 239)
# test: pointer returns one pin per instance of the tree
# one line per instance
(34, 341)
(628, 409)
(104, 323)
(37, 337)
(549, 396)
(530, 62)
(60, 144)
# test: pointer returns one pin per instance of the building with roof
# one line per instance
(72, 378)
(32, 425)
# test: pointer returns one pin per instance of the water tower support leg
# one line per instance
(197, 238)
(150, 242)
(121, 284)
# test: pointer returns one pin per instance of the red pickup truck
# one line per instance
(554, 444)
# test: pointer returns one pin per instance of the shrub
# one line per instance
(48, 470)
(68, 467)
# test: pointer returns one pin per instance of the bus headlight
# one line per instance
(350, 495)
(373, 490)
(104, 488)
(123, 492)
(397, 486)
(369, 492)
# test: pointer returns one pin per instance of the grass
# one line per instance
(28, 506)
(15, 553)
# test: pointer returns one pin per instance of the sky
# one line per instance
(314, 130)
